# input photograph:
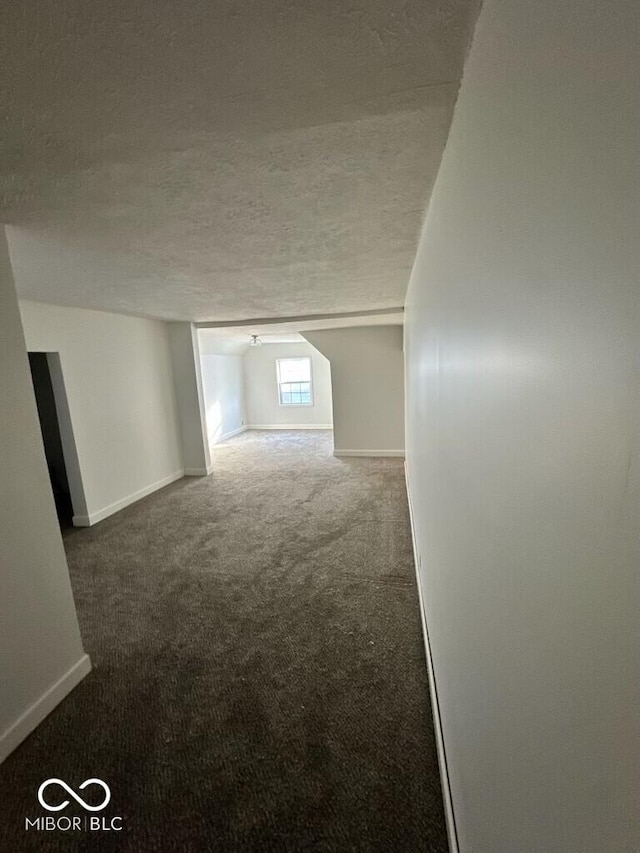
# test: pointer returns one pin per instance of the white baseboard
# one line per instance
(99, 515)
(394, 453)
(435, 707)
(290, 426)
(230, 434)
(198, 472)
(36, 713)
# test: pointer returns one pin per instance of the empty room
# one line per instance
(320, 489)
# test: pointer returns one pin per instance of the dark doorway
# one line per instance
(50, 429)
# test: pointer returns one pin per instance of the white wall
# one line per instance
(523, 430)
(261, 387)
(368, 387)
(189, 392)
(41, 655)
(223, 386)
(118, 379)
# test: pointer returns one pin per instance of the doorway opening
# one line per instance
(263, 381)
(57, 436)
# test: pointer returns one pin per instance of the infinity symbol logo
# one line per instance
(103, 785)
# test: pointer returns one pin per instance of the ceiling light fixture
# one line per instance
(255, 341)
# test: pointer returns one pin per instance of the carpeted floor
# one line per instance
(259, 681)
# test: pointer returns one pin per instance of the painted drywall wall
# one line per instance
(261, 389)
(187, 377)
(368, 387)
(118, 380)
(523, 430)
(212, 342)
(223, 388)
(41, 654)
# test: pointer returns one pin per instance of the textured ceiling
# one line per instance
(223, 159)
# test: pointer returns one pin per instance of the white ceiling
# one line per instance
(234, 338)
(217, 159)
(237, 343)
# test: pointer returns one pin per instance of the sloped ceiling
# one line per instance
(234, 339)
(220, 159)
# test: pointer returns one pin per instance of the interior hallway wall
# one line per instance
(41, 654)
(224, 398)
(118, 378)
(367, 373)
(523, 430)
(261, 388)
(189, 391)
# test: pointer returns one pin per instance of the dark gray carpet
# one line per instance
(259, 680)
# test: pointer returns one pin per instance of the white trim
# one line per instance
(290, 426)
(230, 434)
(95, 517)
(36, 713)
(198, 472)
(395, 453)
(435, 708)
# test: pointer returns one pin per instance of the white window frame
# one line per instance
(278, 383)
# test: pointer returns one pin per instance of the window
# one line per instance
(294, 381)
